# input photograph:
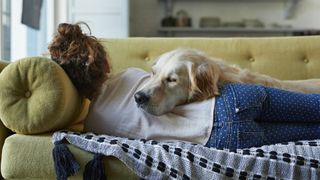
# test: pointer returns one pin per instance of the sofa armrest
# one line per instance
(4, 133)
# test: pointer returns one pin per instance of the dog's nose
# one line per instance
(141, 98)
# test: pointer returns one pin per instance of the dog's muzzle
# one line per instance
(141, 98)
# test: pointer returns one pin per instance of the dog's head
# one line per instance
(178, 77)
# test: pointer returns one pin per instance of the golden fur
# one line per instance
(186, 75)
(211, 73)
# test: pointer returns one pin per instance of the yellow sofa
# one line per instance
(29, 156)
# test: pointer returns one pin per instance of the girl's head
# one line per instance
(82, 57)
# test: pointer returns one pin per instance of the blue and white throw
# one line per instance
(183, 160)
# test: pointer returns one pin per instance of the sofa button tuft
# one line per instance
(251, 59)
(147, 58)
(27, 94)
(306, 60)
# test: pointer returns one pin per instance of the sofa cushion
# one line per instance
(4, 132)
(34, 160)
(36, 96)
(289, 58)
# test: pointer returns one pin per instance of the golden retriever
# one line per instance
(186, 75)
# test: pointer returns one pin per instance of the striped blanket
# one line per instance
(183, 160)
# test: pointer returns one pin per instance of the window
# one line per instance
(20, 40)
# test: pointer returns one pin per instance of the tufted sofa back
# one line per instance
(280, 57)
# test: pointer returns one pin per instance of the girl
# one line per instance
(242, 116)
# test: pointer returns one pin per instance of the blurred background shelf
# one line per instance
(234, 31)
(289, 8)
(203, 26)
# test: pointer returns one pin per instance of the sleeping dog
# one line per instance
(186, 75)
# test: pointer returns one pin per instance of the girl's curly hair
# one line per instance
(82, 57)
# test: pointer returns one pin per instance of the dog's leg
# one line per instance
(307, 86)
(235, 74)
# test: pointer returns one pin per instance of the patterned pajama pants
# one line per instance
(251, 115)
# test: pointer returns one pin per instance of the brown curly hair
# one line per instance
(82, 57)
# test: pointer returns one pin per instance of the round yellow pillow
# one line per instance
(37, 96)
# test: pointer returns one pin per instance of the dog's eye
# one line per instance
(170, 79)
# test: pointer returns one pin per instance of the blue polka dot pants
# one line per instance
(249, 115)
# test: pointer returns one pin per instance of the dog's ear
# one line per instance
(204, 79)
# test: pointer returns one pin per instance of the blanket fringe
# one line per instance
(64, 163)
(94, 169)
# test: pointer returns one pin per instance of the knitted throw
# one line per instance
(183, 160)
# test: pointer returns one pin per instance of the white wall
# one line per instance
(60, 12)
(145, 17)
(306, 15)
(106, 18)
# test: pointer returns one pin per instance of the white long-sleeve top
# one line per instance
(115, 113)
